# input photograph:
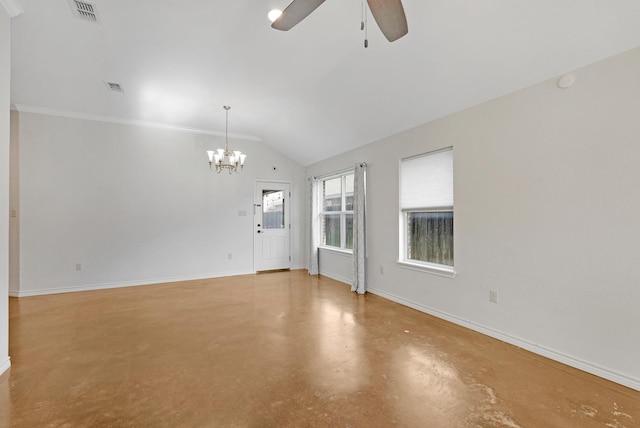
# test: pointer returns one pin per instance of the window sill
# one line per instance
(336, 250)
(439, 270)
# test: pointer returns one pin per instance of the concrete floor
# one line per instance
(283, 350)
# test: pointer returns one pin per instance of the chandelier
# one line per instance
(233, 161)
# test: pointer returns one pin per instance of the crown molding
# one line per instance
(13, 7)
(121, 121)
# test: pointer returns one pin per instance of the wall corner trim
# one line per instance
(13, 7)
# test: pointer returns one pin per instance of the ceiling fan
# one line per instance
(389, 15)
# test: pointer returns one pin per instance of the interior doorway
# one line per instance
(272, 226)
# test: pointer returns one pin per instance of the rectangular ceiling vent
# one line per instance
(84, 10)
(115, 87)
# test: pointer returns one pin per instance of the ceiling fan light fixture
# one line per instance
(389, 15)
(274, 14)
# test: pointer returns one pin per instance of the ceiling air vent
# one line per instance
(84, 10)
(115, 87)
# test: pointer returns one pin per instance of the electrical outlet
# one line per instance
(229, 256)
(381, 270)
(493, 296)
(78, 267)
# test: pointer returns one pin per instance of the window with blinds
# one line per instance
(426, 206)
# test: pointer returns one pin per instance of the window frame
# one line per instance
(343, 213)
(403, 259)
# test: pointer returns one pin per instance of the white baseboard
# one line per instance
(577, 363)
(337, 277)
(93, 287)
(4, 366)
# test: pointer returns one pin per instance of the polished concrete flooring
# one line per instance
(279, 350)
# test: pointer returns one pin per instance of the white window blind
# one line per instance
(427, 181)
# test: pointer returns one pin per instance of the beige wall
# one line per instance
(14, 205)
(546, 213)
(136, 205)
(5, 58)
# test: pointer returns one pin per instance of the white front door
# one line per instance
(271, 226)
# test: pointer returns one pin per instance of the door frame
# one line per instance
(253, 221)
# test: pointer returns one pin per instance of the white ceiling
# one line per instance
(312, 92)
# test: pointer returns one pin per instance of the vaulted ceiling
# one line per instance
(314, 91)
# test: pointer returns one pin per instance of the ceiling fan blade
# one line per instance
(389, 14)
(294, 13)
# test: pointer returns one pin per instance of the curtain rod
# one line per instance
(339, 172)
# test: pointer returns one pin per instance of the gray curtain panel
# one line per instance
(359, 228)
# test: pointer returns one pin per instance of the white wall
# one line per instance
(336, 264)
(547, 211)
(5, 60)
(135, 205)
(14, 208)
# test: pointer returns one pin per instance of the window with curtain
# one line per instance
(336, 211)
(426, 211)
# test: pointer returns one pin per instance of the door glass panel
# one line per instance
(273, 209)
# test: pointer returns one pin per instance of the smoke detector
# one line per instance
(84, 10)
